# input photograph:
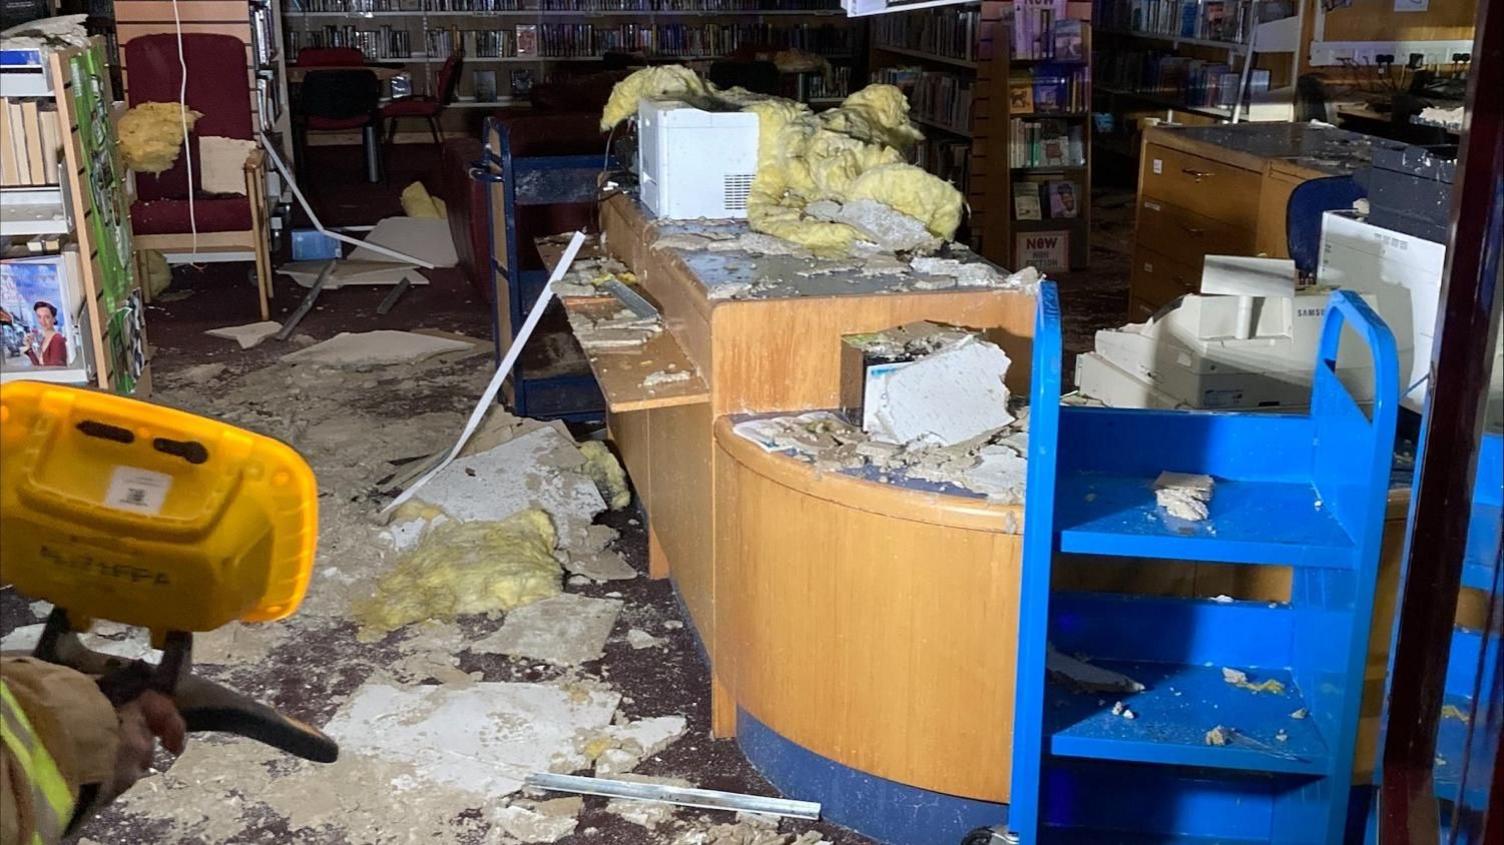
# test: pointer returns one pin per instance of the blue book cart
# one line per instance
(528, 182)
(1304, 491)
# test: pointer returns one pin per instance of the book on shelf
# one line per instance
(1026, 205)
(527, 39)
(31, 142)
(43, 319)
(1021, 95)
(1070, 45)
(485, 85)
(522, 82)
(1034, 27)
(1063, 197)
(1210, 20)
(1045, 143)
(949, 33)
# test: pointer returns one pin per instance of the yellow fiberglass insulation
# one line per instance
(466, 567)
(606, 472)
(662, 81)
(151, 135)
(851, 152)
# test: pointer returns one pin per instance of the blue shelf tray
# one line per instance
(1107, 514)
(1181, 703)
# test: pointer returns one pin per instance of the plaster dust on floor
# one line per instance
(440, 718)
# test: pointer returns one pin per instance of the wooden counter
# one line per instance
(846, 615)
(1222, 190)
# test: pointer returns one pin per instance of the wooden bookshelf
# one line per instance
(86, 207)
(1168, 60)
(421, 34)
(955, 64)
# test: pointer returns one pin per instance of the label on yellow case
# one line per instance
(139, 490)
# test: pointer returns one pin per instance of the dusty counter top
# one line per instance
(731, 262)
(1325, 150)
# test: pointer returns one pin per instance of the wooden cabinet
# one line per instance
(1222, 190)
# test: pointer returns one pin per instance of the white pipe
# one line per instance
(317, 224)
(488, 398)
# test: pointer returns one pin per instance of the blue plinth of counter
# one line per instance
(885, 810)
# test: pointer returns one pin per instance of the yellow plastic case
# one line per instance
(118, 509)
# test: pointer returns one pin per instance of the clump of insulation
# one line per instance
(847, 153)
(603, 468)
(151, 135)
(461, 568)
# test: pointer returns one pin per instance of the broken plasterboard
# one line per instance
(374, 349)
(486, 738)
(247, 335)
(423, 238)
(947, 397)
(347, 273)
(566, 630)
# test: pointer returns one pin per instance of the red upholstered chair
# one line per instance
(338, 100)
(424, 107)
(330, 57)
(219, 88)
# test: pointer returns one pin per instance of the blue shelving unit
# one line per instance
(1304, 491)
(536, 180)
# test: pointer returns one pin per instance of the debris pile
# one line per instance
(617, 329)
(1239, 678)
(1184, 495)
(587, 274)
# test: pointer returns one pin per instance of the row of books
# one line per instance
(1050, 88)
(479, 43)
(934, 97)
(1046, 199)
(940, 32)
(419, 6)
(29, 153)
(1041, 30)
(948, 158)
(1167, 76)
(384, 43)
(1214, 20)
(1045, 143)
(823, 86)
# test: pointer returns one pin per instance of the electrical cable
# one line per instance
(177, 23)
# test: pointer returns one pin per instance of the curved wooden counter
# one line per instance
(870, 624)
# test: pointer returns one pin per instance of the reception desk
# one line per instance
(859, 631)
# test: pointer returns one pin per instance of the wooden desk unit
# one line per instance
(865, 623)
(1222, 190)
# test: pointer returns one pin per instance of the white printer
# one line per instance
(694, 163)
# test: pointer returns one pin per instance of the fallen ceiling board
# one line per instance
(566, 630)
(422, 238)
(534, 470)
(349, 273)
(247, 335)
(485, 738)
(376, 348)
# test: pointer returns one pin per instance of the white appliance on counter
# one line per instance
(694, 163)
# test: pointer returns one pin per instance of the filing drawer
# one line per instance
(1200, 185)
(1187, 237)
(1157, 279)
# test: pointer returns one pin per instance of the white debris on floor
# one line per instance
(619, 748)
(376, 349)
(566, 629)
(485, 738)
(249, 335)
(1184, 495)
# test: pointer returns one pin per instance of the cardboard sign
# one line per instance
(1049, 252)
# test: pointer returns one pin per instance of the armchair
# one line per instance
(219, 86)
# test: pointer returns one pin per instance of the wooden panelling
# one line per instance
(126, 31)
(785, 354)
(188, 11)
(682, 513)
(1273, 238)
(1188, 237)
(1156, 279)
(1201, 185)
(629, 431)
(886, 644)
(1377, 20)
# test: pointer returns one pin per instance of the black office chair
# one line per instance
(1310, 99)
(338, 101)
(1308, 202)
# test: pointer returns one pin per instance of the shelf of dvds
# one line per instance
(544, 33)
